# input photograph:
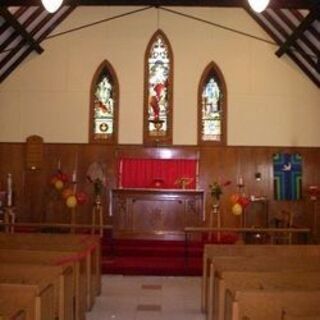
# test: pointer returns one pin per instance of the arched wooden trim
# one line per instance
(212, 68)
(114, 138)
(167, 139)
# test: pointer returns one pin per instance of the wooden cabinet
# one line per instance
(155, 212)
(256, 214)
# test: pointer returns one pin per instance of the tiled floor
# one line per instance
(148, 298)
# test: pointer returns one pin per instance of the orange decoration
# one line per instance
(66, 193)
(234, 198)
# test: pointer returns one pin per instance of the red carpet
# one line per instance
(154, 257)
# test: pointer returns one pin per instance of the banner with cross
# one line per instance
(287, 176)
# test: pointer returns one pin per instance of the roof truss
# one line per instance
(297, 4)
(5, 13)
(24, 24)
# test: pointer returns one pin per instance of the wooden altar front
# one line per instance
(155, 213)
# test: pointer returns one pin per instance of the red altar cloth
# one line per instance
(156, 173)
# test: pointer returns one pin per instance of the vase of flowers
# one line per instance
(216, 191)
(96, 176)
(183, 182)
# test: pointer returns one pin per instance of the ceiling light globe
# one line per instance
(258, 5)
(51, 5)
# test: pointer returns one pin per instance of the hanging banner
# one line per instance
(287, 176)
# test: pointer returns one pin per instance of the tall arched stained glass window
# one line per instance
(104, 105)
(158, 91)
(212, 107)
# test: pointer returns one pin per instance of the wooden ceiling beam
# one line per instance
(303, 26)
(20, 29)
(7, 42)
(17, 14)
(29, 50)
(292, 4)
(290, 53)
(292, 26)
(300, 18)
(284, 34)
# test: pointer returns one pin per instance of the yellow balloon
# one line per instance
(237, 209)
(71, 202)
(58, 184)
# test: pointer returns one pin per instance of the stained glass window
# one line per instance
(104, 105)
(158, 91)
(212, 107)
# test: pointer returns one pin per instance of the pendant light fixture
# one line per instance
(258, 5)
(51, 5)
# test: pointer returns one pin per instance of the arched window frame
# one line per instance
(112, 139)
(167, 138)
(213, 69)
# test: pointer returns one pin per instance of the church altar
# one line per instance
(152, 212)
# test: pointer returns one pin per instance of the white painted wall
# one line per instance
(270, 101)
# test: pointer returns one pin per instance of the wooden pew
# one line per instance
(56, 258)
(36, 299)
(301, 317)
(87, 246)
(255, 264)
(11, 309)
(237, 280)
(269, 304)
(211, 251)
(60, 277)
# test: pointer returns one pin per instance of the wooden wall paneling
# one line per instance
(33, 192)
(55, 208)
(137, 151)
(230, 171)
(34, 196)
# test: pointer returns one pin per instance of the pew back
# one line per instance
(266, 305)
(234, 281)
(60, 277)
(56, 258)
(37, 300)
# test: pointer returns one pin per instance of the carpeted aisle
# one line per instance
(154, 257)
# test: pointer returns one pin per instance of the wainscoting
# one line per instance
(35, 200)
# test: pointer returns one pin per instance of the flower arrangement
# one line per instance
(183, 182)
(216, 189)
(96, 176)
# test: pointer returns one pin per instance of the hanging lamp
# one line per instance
(258, 5)
(51, 5)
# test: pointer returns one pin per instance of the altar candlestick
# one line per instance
(74, 174)
(240, 182)
(74, 180)
(9, 190)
